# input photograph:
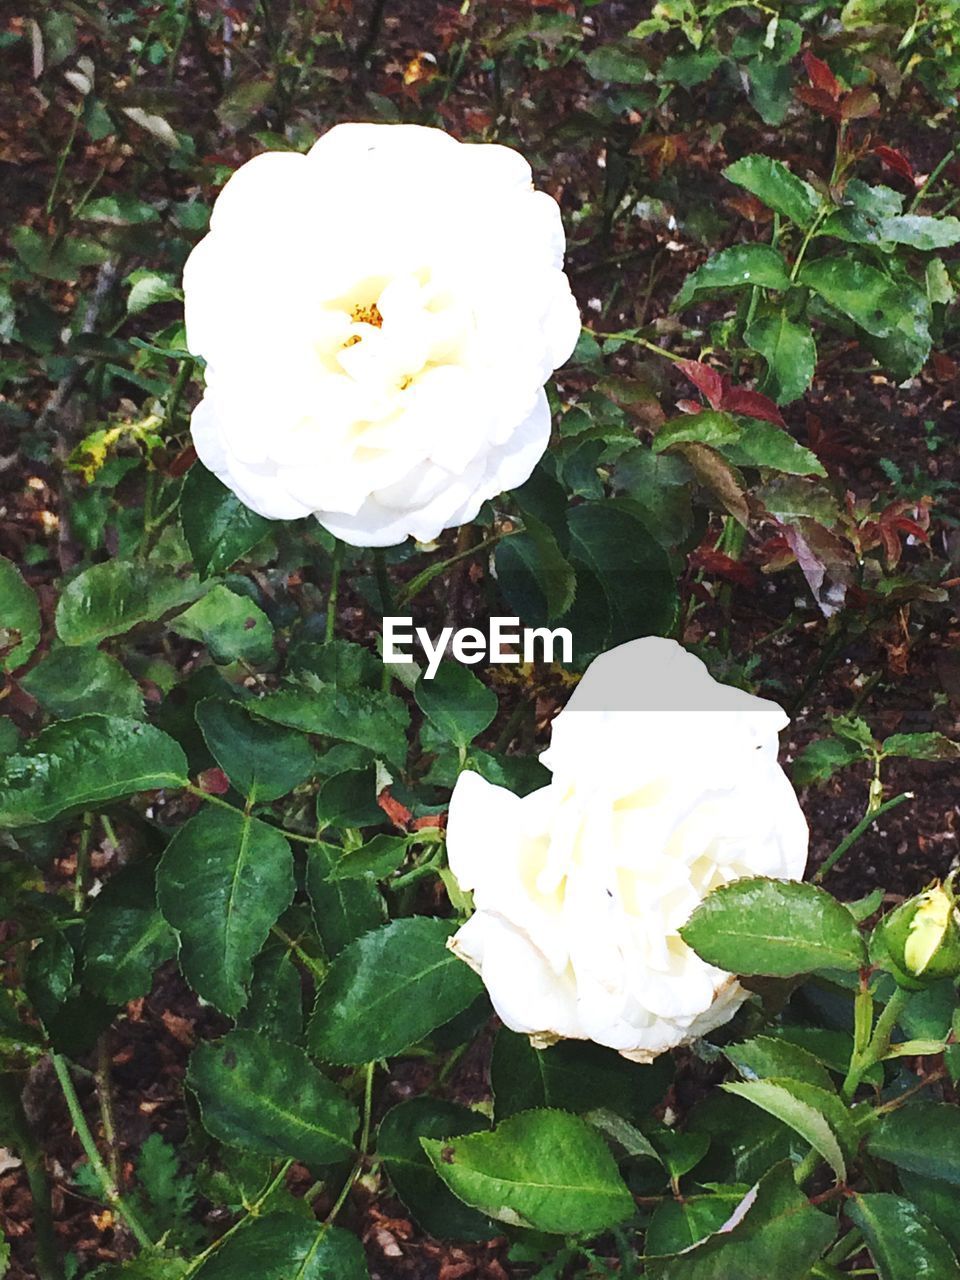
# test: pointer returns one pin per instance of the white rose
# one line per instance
(378, 319)
(665, 785)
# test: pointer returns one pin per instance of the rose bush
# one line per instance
(665, 785)
(378, 320)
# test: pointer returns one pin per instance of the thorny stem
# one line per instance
(364, 1144)
(626, 336)
(861, 1062)
(852, 837)
(423, 579)
(83, 850)
(105, 1096)
(110, 1189)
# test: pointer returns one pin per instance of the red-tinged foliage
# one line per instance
(720, 565)
(181, 463)
(895, 160)
(859, 104)
(818, 100)
(398, 813)
(720, 395)
(214, 782)
(821, 77)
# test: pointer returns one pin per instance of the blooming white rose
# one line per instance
(378, 319)
(665, 785)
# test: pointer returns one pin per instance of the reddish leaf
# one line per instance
(214, 782)
(819, 100)
(859, 104)
(724, 566)
(690, 406)
(706, 380)
(896, 161)
(750, 403)
(429, 820)
(183, 461)
(398, 813)
(821, 77)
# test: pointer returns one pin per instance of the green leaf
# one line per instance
(614, 547)
(223, 881)
(343, 909)
(775, 928)
(458, 704)
(435, 1207)
(231, 626)
(285, 1246)
(765, 1056)
(73, 681)
(108, 599)
(920, 232)
(923, 1137)
(870, 299)
(349, 799)
(379, 857)
(708, 427)
(782, 1099)
(822, 758)
(573, 1075)
(778, 1233)
(742, 266)
(83, 763)
(903, 1242)
(146, 1267)
(389, 989)
(611, 64)
(921, 746)
(218, 528)
(763, 444)
(125, 938)
(260, 1094)
(368, 717)
(546, 1170)
(262, 760)
(779, 189)
(55, 258)
(535, 578)
(678, 1224)
(275, 1007)
(789, 349)
(19, 618)
(938, 1200)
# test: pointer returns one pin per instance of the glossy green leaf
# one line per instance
(275, 1006)
(870, 299)
(919, 232)
(146, 1267)
(780, 1099)
(223, 881)
(435, 1207)
(779, 189)
(742, 266)
(789, 349)
(536, 579)
(125, 938)
(263, 1095)
(773, 927)
(766, 1056)
(343, 908)
(903, 1242)
(708, 427)
(923, 1137)
(573, 1075)
(368, 717)
(678, 1224)
(773, 1232)
(108, 599)
(458, 704)
(762, 444)
(72, 681)
(85, 762)
(219, 529)
(286, 1246)
(263, 761)
(379, 857)
(231, 626)
(19, 618)
(389, 989)
(921, 746)
(546, 1170)
(822, 758)
(938, 1200)
(56, 257)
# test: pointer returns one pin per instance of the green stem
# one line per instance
(105, 1096)
(62, 160)
(849, 840)
(252, 1212)
(83, 850)
(364, 1144)
(806, 1167)
(334, 590)
(315, 966)
(232, 808)
(110, 1189)
(424, 578)
(383, 581)
(933, 176)
(627, 336)
(805, 242)
(861, 1063)
(176, 393)
(424, 868)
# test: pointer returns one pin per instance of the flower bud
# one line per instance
(922, 937)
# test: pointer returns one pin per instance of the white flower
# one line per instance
(665, 785)
(378, 319)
